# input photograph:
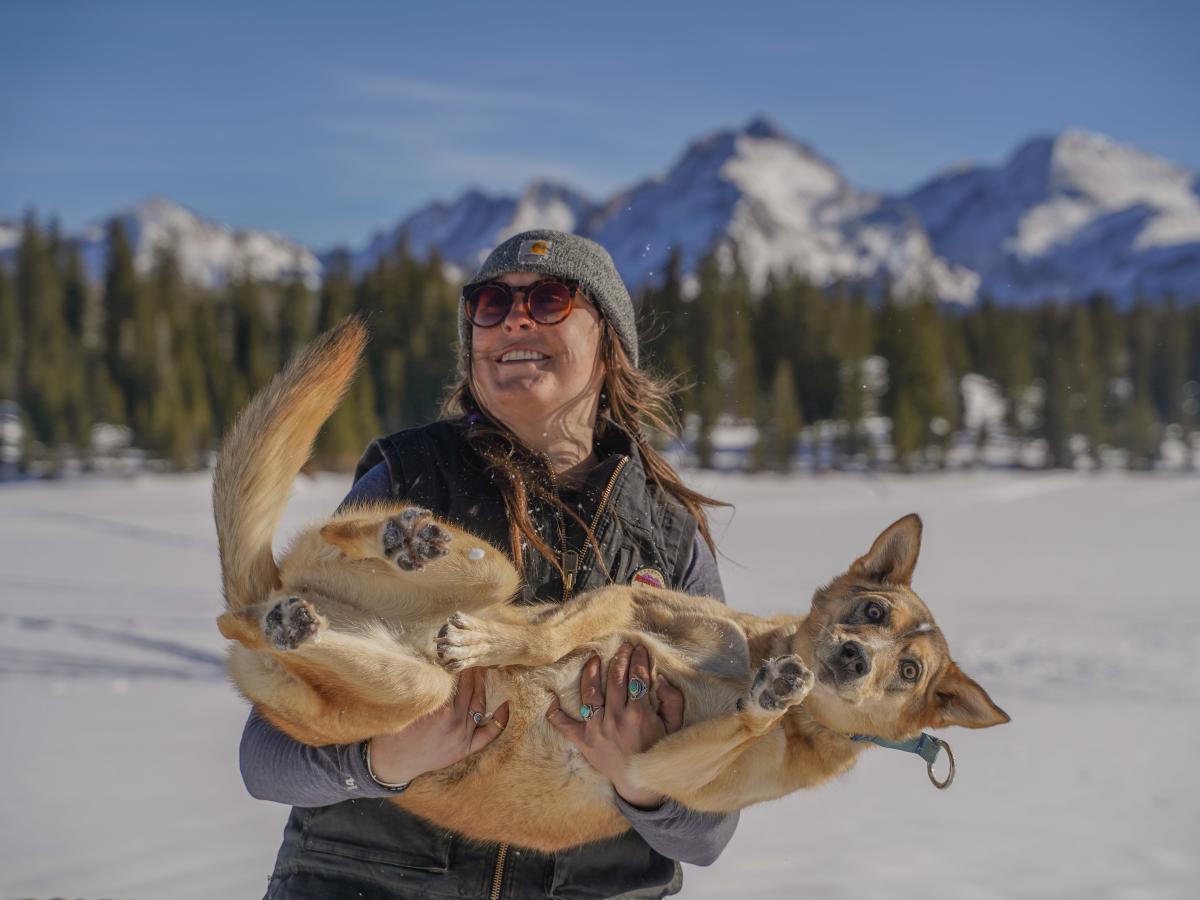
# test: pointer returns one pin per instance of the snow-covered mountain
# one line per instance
(465, 230)
(1066, 216)
(782, 206)
(209, 253)
(777, 202)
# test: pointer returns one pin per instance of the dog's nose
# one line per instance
(855, 663)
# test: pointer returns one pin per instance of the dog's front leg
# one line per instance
(683, 764)
(507, 637)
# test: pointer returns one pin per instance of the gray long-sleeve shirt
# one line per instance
(276, 767)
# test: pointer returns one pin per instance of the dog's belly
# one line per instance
(531, 787)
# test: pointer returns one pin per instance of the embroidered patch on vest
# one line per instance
(650, 577)
(534, 251)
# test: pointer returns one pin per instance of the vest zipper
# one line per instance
(498, 874)
(572, 560)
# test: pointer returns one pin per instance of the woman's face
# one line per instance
(567, 374)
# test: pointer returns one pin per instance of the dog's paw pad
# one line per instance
(291, 622)
(779, 683)
(412, 539)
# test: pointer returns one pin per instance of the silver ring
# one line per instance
(941, 785)
(474, 716)
(587, 710)
(637, 688)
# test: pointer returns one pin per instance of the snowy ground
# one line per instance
(1072, 598)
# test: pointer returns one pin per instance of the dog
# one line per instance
(360, 627)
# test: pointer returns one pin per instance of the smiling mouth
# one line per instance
(523, 356)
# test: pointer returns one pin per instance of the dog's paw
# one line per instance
(412, 539)
(465, 641)
(779, 683)
(291, 622)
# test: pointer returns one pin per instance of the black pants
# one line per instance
(373, 850)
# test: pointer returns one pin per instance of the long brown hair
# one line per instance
(632, 400)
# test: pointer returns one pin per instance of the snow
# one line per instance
(10, 236)
(984, 405)
(1069, 596)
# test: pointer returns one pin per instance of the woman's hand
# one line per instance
(441, 738)
(623, 726)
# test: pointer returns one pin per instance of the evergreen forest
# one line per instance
(837, 377)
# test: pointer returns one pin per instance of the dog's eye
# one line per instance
(874, 612)
(910, 669)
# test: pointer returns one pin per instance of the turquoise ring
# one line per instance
(586, 711)
(637, 688)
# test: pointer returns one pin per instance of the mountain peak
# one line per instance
(160, 208)
(763, 127)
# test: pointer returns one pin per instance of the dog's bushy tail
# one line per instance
(264, 451)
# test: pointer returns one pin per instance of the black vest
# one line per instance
(639, 526)
(374, 849)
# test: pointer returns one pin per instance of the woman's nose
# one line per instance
(519, 316)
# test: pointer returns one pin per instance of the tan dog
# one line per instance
(358, 629)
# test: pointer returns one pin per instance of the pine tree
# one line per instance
(1059, 417)
(297, 319)
(705, 398)
(124, 308)
(355, 421)
(910, 338)
(10, 339)
(664, 318)
(855, 340)
(1169, 367)
(1142, 427)
(909, 430)
(50, 379)
(779, 428)
(1087, 394)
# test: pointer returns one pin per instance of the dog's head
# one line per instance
(883, 667)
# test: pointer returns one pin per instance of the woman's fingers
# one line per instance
(465, 695)
(491, 728)
(618, 674)
(591, 688)
(670, 704)
(568, 727)
(639, 668)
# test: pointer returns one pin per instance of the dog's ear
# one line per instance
(958, 700)
(356, 538)
(893, 556)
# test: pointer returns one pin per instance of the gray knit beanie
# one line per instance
(567, 256)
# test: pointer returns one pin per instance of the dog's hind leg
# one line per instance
(434, 562)
(343, 686)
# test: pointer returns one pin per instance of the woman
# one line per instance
(546, 458)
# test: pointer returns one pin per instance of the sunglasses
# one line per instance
(550, 301)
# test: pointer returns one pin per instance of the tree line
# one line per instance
(1077, 378)
(174, 362)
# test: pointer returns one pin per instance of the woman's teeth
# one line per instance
(518, 355)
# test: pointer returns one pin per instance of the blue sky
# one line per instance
(326, 121)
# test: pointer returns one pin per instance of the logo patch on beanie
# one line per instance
(534, 251)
